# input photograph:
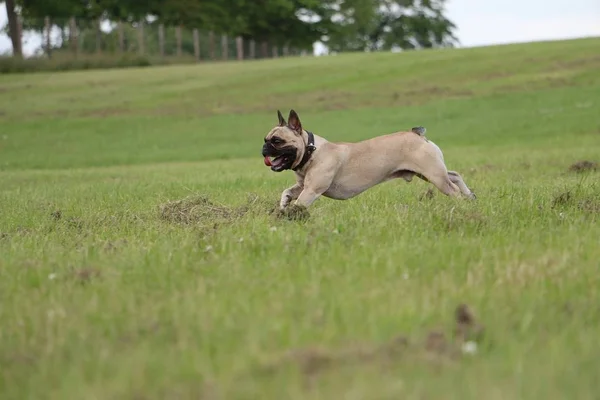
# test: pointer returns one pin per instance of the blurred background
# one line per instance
(178, 31)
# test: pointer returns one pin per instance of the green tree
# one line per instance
(279, 22)
(344, 25)
(387, 24)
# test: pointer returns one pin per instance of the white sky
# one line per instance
(479, 23)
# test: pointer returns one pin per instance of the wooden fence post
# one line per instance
(178, 39)
(196, 44)
(47, 31)
(141, 37)
(161, 39)
(211, 45)
(224, 47)
(73, 34)
(252, 49)
(239, 43)
(264, 49)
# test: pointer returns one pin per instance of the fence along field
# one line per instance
(148, 38)
(138, 258)
(65, 41)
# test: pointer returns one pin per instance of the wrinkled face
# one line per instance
(284, 144)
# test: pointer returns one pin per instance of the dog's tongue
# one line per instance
(267, 161)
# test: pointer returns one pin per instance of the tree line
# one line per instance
(342, 25)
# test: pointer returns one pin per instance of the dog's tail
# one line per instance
(419, 130)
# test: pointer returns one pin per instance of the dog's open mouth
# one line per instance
(276, 163)
(279, 159)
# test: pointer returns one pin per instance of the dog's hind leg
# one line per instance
(444, 184)
(458, 181)
(437, 175)
(434, 171)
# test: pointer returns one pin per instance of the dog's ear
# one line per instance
(294, 121)
(280, 117)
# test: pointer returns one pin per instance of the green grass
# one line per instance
(104, 297)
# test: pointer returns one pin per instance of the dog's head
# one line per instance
(284, 145)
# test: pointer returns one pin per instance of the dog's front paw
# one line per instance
(294, 213)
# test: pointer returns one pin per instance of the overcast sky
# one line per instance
(484, 22)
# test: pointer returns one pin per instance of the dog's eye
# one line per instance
(275, 140)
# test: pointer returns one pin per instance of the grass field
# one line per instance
(108, 291)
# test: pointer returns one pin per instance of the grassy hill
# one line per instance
(111, 290)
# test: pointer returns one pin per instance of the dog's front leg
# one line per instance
(299, 209)
(307, 197)
(289, 194)
(316, 182)
(314, 186)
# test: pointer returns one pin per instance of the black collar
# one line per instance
(310, 147)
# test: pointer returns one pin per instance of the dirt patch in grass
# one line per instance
(580, 62)
(570, 199)
(583, 166)
(194, 209)
(293, 212)
(543, 83)
(199, 209)
(86, 275)
(436, 92)
(492, 76)
(591, 206)
(436, 346)
(106, 112)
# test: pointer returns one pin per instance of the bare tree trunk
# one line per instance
(211, 45)
(275, 51)
(47, 32)
(73, 35)
(252, 49)
(239, 44)
(13, 28)
(141, 37)
(224, 47)
(196, 44)
(161, 40)
(286, 50)
(98, 36)
(178, 39)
